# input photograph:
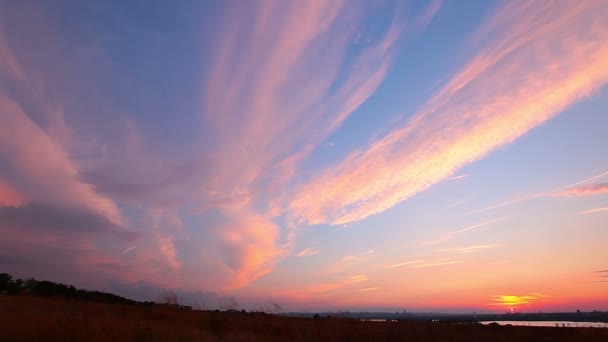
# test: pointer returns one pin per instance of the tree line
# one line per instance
(45, 288)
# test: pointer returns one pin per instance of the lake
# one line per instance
(552, 324)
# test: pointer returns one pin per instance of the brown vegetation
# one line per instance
(25, 318)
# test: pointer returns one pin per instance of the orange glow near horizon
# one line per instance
(513, 302)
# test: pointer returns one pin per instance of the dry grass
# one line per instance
(36, 319)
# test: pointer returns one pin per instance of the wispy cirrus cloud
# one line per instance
(585, 190)
(308, 252)
(535, 60)
(437, 263)
(129, 249)
(357, 256)
(405, 263)
(470, 249)
(270, 110)
(595, 210)
(576, 189)
(449, 235)
(284, 77)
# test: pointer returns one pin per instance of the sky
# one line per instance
(321, 155)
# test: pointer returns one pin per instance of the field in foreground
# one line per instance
(24, 318)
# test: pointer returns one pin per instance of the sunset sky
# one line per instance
(323, 155)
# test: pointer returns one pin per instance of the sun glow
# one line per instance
(513, 302)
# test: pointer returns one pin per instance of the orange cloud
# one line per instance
(536, 59)
(251, 246)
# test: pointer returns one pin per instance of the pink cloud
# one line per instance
(250, 246)
(167, 248)
(10, 196)
(308, 252)
(271, 110)
(36, 153)
(536, 60)
(586, 190)
(593, 211)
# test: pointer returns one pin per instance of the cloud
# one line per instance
(44, 219)
(437, 263)
(460, 202)
(369, 289)
(588, 179)
(358, 256)
(308, 252)
(167, 247)
(457, 177)
(249, 246)
(406, 263)
(593, 211)
(447, 236)
(585, 190)
(50, 178)
(283, 78)
(535, 60)
(304, 74)
(470, 249)
(35, 141)
(9, 196)
(573, 190)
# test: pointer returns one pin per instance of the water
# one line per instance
(552, 324)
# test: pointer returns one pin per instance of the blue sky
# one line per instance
(418, 154)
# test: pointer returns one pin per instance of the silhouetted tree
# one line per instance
(168, 297)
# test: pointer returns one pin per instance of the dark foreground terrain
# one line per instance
(27, 318)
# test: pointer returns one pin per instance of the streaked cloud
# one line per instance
(470, 249)
(593, 211)
(128, 250)
(535, 60)
(369, 289)
(437, 263)
(358, 256)
(450, 235)
(460, 202)
(457, 177)
(585, 190)
(572, 190)
(269, 111)
(588, 180)
(308, 252)
(406, 263)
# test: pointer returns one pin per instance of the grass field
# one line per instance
(24, 318)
